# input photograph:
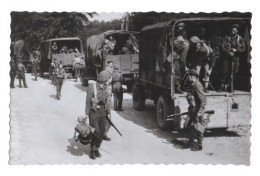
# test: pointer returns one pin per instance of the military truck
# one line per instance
(109, 46)
(155, 41)
(66, 51)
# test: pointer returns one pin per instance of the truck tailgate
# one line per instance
(127, 63)
(231, 110)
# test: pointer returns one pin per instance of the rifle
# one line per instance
(170, 117)
(111, 123)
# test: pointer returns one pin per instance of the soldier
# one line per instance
(54, 48)
(52, 71)
(109, 71)
(21, 76)
(60, 76)
(180, 42)
(117, 89)
(35, 65)
(197, 101)
(202, 58)
(97, 111)
(76, 66)
(232, 47)
(13, 72)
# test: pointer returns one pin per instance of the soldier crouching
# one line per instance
(97, 98)
(197, 101)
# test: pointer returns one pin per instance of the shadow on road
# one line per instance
(53, 96)
(80, 87)
(147, 119)
(77, 149)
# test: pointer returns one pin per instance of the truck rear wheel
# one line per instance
(162, 110)
(138, 97)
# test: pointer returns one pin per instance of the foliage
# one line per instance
(32, 27)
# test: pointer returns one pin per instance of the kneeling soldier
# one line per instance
(97, 98)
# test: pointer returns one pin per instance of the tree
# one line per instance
(32, 27)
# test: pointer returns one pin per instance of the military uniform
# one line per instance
(52, 71)
(97, 111)
(197, 102)
(76, 67)
(13, 72)
(109, 102)
(117, 90)
(232, 48)
(21, 75)
(61, 75)
(35, 67)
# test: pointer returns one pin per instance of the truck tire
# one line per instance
(162, 110)
(138, 97)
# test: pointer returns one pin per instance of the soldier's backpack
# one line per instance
(84, 131)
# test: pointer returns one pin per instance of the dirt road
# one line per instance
(42, 131)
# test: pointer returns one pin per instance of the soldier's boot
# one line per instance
(198, 146)
(93, 154)
(20, 83)
(24, 84)
(97, 154)
(106, 138)
(190, 143)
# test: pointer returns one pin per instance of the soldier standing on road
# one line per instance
(232, 47)
(60, 76)
(52, 71)
(197, 101)
(76, 66)
(35, 65)
(13, 72)
(117, 89)
(97, 111)
(21, 74)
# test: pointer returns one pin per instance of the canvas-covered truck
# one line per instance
(120, 47)
(61, 50)
(155, 41)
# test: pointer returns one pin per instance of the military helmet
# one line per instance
(103, 76)
(195, 39)
(236, 26)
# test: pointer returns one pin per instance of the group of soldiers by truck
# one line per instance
(173, 63)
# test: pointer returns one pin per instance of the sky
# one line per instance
(107, 16)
